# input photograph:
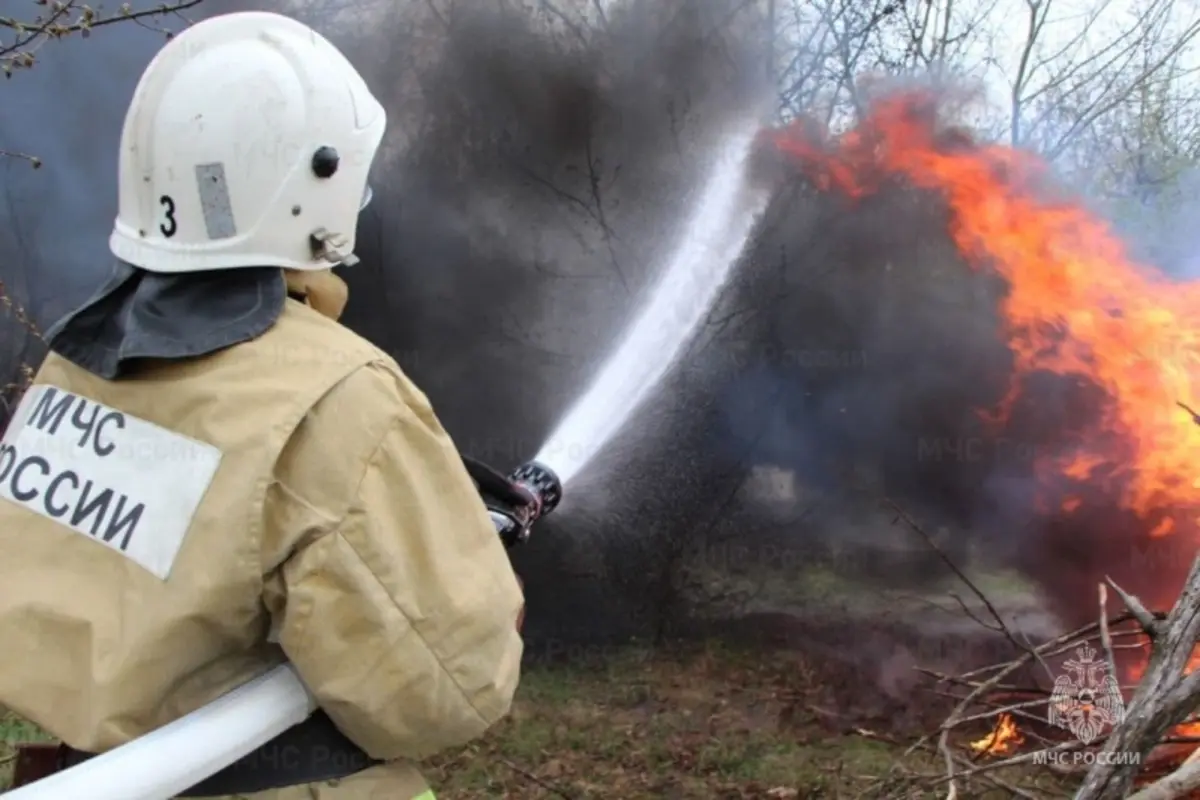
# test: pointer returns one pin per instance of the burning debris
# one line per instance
(1060, 707)
(1003, 740)
(1124, 341)
(1119, 339)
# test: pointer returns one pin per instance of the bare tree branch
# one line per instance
(67, 17)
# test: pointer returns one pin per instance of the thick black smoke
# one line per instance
(885, 349)
(540, 195)
(534, 178)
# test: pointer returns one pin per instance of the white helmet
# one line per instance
(247, 144)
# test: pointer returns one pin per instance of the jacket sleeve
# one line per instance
(401, 616)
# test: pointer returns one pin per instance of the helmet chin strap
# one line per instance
(332, 247)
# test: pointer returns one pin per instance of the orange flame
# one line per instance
(1004, 739)
(1077, 304)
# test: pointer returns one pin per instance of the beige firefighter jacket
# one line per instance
(339, 521)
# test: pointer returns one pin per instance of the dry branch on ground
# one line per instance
(1143, 754)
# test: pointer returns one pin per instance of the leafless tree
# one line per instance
(62, 18)
(821, 49)
(1063, 85)
(1145, 143)
(23, 36)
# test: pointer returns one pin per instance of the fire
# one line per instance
(1077, 304)
(1004, 739)
(1183, 730)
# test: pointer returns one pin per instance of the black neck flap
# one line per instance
(141, 315)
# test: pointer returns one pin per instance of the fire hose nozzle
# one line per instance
(545, 492)
(540, 481)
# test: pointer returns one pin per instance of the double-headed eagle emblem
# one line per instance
(1087, 699)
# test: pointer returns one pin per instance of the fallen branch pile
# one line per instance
(1056, 711)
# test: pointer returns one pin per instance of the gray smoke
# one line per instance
(54, 221)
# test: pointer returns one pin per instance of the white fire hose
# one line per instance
(177, 756)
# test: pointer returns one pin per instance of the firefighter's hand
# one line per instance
(495, 487)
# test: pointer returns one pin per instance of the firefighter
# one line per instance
(210, 474)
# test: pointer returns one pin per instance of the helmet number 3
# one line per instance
(169, 226)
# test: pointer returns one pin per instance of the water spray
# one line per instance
(168, 761)
(702, 261)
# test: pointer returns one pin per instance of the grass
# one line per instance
(711, 722)
(698, 722)
(14, 731)
(704, 724)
